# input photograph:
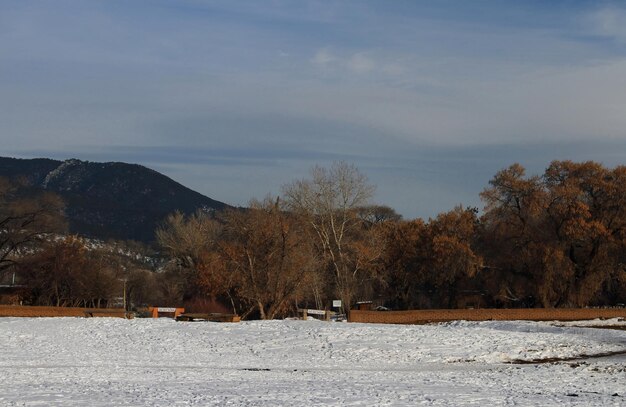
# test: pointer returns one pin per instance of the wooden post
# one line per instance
(153, 312)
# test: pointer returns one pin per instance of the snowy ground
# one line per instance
(143, 362)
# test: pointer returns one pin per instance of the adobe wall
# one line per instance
(27, 311)
(445, 315)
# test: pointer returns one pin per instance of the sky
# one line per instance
(235, 99)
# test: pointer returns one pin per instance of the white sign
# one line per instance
(315, 312)
(336, 303)
(166, 309)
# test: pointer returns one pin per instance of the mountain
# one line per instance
(109, 200)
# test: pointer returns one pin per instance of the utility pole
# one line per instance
(125, 294)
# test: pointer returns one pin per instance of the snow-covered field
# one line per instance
(143, 362)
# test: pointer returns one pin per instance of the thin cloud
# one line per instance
(323, 58)
(610, 22)
(361, 63)
(246, 88)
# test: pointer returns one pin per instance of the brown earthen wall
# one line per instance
(26, 311)
(444, 315)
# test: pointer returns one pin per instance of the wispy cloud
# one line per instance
(359, 62)
(323, 58)
(609, 22)
(215, 90)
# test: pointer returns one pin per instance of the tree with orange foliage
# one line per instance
(268, 257)
(400, 268)
(421, 264)
(514, 236)
(67, 273)
(558, 238)
(452, 256)
(585, 219)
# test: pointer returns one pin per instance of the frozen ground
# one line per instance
(142, 362)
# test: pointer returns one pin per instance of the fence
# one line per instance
(325, 315)
(31, 311)
(171, 312)
(444, 315)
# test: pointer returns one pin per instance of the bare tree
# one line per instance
(186, 237)
(190, 241)
(68, 272)
(376, 214)
(25, 220)
(268, 256)
(328, 200)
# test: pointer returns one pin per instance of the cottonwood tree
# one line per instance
(191, 241)
(268, 256)
(422, 263)
(328, 200)
(25, 220)
(513, 234)
(586, 216)
(185, 238)
(558, 238)
(376, 214)
(451, 252)
(401, 264)
(67, 273)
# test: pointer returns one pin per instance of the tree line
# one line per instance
(551, 240)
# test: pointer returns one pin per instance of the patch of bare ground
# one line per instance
(618, 327)
(568, 359)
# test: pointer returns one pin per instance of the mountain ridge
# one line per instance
(109, 200)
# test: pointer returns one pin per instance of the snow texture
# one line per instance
(144, 362)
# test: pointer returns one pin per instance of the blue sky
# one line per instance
(236, 98)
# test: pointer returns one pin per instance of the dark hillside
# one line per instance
(109, 200)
